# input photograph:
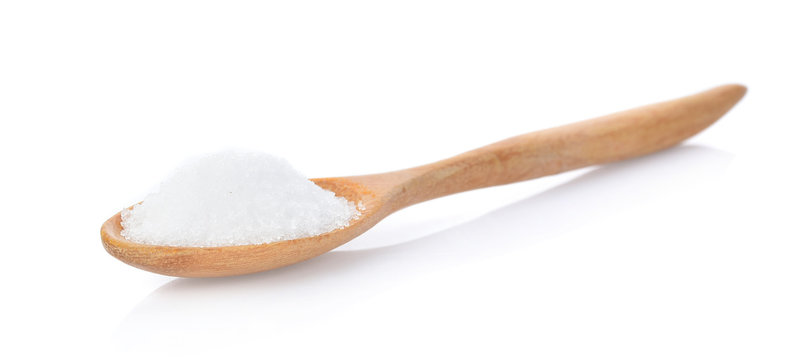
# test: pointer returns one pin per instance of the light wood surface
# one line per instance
(601, 140)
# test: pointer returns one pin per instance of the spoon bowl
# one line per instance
(243, 259)
(618, 136)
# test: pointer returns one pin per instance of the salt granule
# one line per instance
(235, 198)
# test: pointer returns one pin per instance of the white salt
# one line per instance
(235, 198)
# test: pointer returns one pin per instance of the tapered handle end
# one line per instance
(732, 93)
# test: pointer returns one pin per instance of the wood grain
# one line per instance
(601, 140)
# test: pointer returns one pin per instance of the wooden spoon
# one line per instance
(606, 139)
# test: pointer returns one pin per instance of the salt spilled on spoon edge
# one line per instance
(235, 198)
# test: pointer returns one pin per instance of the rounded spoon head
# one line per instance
(244, 259)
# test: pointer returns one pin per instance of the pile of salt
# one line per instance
(235, 198)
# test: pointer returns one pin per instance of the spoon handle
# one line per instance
(614, 137)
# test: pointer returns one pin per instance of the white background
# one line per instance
(682, 254)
